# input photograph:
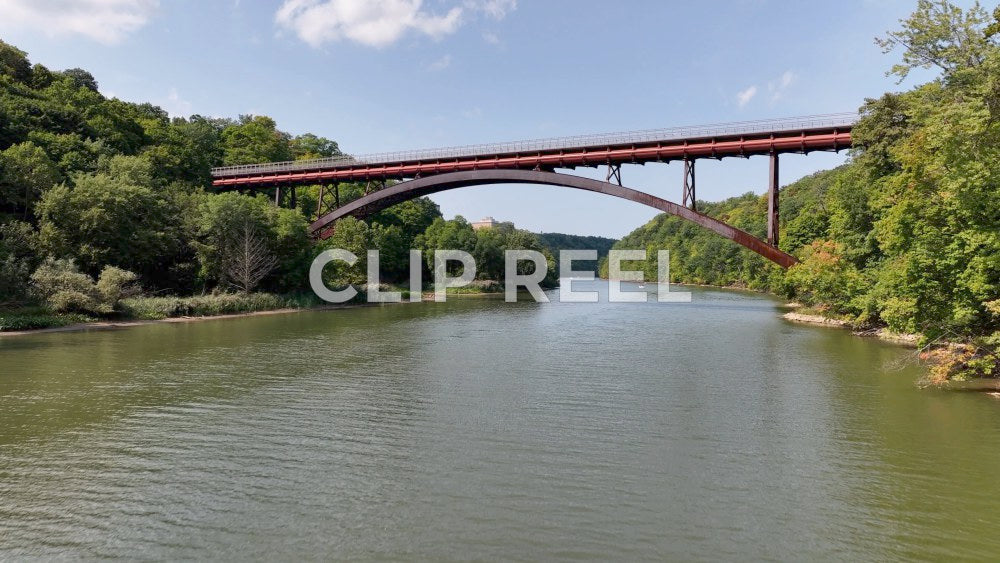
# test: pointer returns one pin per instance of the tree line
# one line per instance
(94, 188)
(907, 233)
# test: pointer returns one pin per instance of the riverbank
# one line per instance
(113, 325)
(959, 366)
(134, 310)
(812, 318)
(140, 311)
(803, 315)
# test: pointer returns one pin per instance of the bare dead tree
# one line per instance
(250, 261)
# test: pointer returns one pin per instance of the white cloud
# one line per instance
(440, 64)
(491, 38)
(376, 23)
(177, 106)
(106, 21)
(778, 86)
(743, 97)
(786, 79)
(496, 9)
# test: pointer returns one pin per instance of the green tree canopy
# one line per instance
(939, 34)
(114, 217)
(253, 139)
(26, 172)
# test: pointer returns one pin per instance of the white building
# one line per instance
(485, 223)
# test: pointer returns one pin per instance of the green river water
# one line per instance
(477, 429)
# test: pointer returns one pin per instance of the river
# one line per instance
(476, 429)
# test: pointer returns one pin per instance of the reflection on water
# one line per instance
(479, 429)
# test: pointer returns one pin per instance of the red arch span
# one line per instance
(382, 199)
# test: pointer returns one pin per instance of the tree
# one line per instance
(489, 253)
(307, 146)
(454, 234)
(71, 152)
(183, 150)
(352, 235)
(251, 260)
(18, 258)
(14, 63)
(222, 223)
(939, 34)
(412, 217)
(393, 248)
(25, 173)
(116, 217)
(825, 277)
(81, 78)
(254, 139)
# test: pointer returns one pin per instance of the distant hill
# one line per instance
(559, 241)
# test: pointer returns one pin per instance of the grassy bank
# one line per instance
(156, 308)
(153, 308)
(35, 318)
(212, 305)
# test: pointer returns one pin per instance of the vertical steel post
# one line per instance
(277, 196)
(295, 202)
(319, 202)
(336, 195)
(772, 202)
(614, 172)
(689, 193)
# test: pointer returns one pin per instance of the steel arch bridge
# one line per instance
(534, 162)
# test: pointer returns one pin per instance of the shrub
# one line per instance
(824, 277)
(115, 284)
(205, 305)
(32, 321)
(64, 288)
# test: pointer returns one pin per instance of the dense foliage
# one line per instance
(555, 242)
(907, 234)
(93, 187)
(106, 183)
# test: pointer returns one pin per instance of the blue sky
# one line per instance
(380, 75)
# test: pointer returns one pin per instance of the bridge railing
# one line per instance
(580, 141)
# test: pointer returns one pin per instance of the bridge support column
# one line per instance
(277, 196)
(295, 202)
(688, 190)
(772, 202)
(614, 173)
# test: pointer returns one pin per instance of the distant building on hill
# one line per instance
(485, 223)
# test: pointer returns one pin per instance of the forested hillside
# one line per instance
(98, 192)
(907, 234)
(555, 242)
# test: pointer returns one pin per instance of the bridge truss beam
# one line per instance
(743, 146)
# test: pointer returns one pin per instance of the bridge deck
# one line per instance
(800, 134)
